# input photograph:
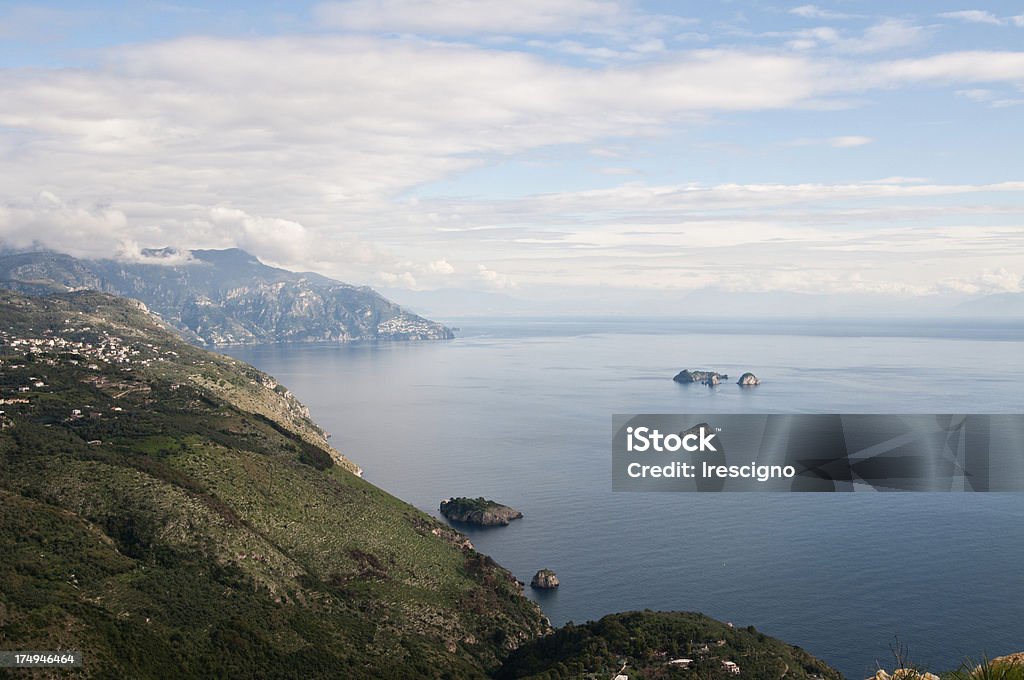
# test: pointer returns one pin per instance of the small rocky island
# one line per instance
(478, 511)
(545, 579)
(686, 376)
(713, 378)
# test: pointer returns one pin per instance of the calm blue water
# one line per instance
(520, 412)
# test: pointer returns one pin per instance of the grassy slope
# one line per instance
(211, 533)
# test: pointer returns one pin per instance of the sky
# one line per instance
(589, 155)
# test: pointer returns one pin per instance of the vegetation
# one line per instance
(1009, 667)
(646, 642)
(174, 513)
(464, 505)
(1004, 668)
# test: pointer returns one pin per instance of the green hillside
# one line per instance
(174, 513)
(661, 646)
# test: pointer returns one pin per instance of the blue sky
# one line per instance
(546, 150)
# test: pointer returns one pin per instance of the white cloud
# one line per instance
(441, 267)
(815, 12)
(649, 46)
(131, 251)
(847, 141)
(883, 236)
(801, 44)
(604, 152)
(742, 196)
(821, 33)
(891, 34)
(974, 16)
(91, 229)
(990, 97)
(576, 48)
(303, 150)
(693, 37)
(953, 67)
(839, 142)
(493, 279)
(422, 275)
(400, 279)
(349, 121)
(322, 133)
(888, 35)
(876, 236)
(465, 17)
(272, 238)
(986, 282)
(813, 37)
(897, 179)
(976, 94)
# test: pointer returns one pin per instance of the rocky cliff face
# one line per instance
(229, 297)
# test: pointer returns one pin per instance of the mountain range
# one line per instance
(227, 297)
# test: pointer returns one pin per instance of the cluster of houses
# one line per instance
(730, 667)
(55, 348)
(702, 650)
(727, 666)
(107, 348)
(405, 325)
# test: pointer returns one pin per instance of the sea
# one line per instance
(519, 410)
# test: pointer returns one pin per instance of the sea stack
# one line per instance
(545, 579)
(748, 379)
